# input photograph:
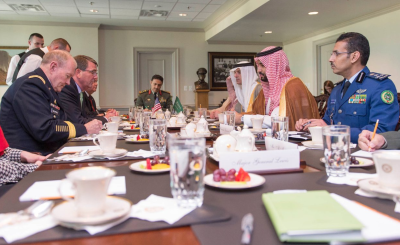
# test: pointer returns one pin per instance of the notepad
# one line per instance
(312, 216)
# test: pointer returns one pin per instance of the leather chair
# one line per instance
(398, 122)
(322, 103)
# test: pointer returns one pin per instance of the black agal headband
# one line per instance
(271, 51)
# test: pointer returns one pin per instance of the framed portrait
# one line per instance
(219, 66)
(6, 53)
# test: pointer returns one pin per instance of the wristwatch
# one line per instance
(242, 119)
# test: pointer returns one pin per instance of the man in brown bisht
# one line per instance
(283, 94)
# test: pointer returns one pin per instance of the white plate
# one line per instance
(311, 144)
(372, 185)
(211, 120)
(136, 167)
(175, 127)
(100, 155)
(134, 141)
(130, 129)
(366, 162)
(116, 207)
(255, 180)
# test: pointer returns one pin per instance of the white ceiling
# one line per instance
(287, 19)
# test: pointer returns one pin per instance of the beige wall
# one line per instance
(116, 61)
(84, 40)
(383, 35)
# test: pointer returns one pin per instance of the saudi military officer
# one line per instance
(362, 97)
(147, 98)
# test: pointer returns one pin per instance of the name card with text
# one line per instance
(260, 160)
(274, 144)
(226, 129)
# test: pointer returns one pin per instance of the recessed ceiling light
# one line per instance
(93, 10)
(157, 6)
(313, 13)
(268, 32)
(183, 15)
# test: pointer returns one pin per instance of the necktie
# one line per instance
(91, 103)
(346, 86)
(81, 97)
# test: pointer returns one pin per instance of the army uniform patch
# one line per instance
(358, 99)
(387, 97)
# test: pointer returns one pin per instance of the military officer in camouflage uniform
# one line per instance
(147, 98)
(362, 97)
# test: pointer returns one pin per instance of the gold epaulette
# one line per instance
(144, 91)
(165, 91)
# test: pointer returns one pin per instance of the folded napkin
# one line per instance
(141, 153)
(156, 208)
(350, 179)
(94, 229)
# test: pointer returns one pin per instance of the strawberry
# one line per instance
(138, 137)
(132, 127)
(242, 176)
(148, 163)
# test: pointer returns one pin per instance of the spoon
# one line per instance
(36, 210)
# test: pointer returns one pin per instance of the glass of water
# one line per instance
(230, 118)
(336, 139)
(131, 114)
(158, 136)
(187, 161)
(280, 128)
(145, 122)
(202, 112)
(137, 116)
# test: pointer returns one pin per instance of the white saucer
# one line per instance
(311, 144)
(130, 129)
(136, 167)
(99, 154)
(211, 120)
(255, 180)
(257, 130)
(366, 162)
(372, 185)
(116, 207)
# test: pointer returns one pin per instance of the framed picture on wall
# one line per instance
(219, 66)
(6, 53)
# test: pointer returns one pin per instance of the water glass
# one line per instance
(131, 113)
(221, 117)
(158, 136)
(336, 139)
(139, 107)
(202, 112)
(230, 118)
(145, 118)
(280, 128)
(138, 112)
(187, 161)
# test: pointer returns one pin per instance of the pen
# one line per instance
(309, 122)
(373, 135)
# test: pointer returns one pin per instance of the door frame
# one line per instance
(317, 44)
(175, 67)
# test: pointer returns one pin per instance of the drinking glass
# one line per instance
(221, 117)
(230, 118)
(336, 139)
(158, 136)
(139, 107)
(280, 128)
(137, 116)
(202, 112)
(131, 114)
(187, 161)
(144, 122)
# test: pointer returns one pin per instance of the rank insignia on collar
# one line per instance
(387, 97)
(360, 91)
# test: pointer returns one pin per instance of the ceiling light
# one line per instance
(93, 10)
(157, 6)
(183, 15)
(268, 32)
(313, 13)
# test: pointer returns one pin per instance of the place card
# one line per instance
(226, 129)
(260, 160)
(274, 144)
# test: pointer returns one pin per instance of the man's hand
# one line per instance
(238, 118)
(214, 113)
(28, 157)
(304, 124)
(93, 127)
(146, 110)
(111, 113)
(365, 142)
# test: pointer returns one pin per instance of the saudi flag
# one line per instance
(177, 105)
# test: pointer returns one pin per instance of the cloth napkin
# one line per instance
(141, 153)
(156, 208)
(350, 179)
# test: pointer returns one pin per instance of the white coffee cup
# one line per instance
(172, 121)
(107, 142)
(387, 164)
(221, 117)
(91, 186)
(112, 127)
(316, 134)
(257, 122)
(116, 119)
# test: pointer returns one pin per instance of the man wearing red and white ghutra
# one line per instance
(283, 94)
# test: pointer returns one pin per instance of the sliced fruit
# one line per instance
(160, 166)
(148, 164)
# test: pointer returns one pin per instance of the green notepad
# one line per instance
(312, 216)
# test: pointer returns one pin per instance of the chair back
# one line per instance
(322, 102)
(398, 122)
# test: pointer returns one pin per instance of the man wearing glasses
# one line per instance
(362, 97)
(72, 95)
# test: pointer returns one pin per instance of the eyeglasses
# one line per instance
(336, 53)
(94, 72)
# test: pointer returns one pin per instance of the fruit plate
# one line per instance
(364, 162)
(255, 180)
(136, 167)
(130, 129)
(134, 141)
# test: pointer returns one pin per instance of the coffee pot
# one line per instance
(202, 127)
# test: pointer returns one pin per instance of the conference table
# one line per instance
(233, 204)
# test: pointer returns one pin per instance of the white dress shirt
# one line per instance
(11, 68)
(32, 62)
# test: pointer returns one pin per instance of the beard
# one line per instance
(263, 77)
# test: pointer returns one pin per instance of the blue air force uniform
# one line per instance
(371, 96)
(32, 117)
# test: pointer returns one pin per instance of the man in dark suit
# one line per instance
(89, 107)
(72, 95)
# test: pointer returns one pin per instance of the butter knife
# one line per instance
(247, 228)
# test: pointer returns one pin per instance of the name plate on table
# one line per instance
(259, 161)
(225, 129)
(274, 144)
